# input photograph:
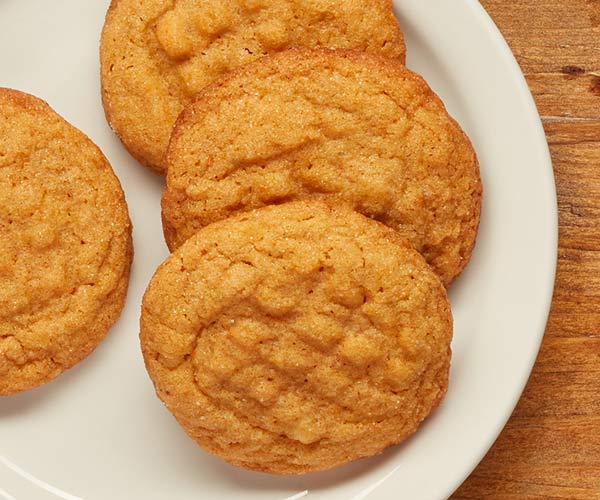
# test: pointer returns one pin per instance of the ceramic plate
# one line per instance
(98, 432)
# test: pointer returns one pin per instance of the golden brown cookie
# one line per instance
(65, 244)
(157, 54)
(297, 337)
(342, 127)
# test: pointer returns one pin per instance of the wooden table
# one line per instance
(550, 448)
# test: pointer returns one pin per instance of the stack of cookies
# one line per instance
(319, 201)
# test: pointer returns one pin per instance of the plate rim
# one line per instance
(553, 233)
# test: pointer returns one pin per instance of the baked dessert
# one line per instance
(65, 244)
(337, 126)
(297, 337)
(157, 54)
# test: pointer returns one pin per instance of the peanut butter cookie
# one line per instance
(65, 244)
(157, 54)
(297, 337)
(343, 127)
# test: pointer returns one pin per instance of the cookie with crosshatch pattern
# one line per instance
(297, 337)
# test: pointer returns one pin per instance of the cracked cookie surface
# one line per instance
(297, 337)
(65, 244)
(337, 126)
(157, 54)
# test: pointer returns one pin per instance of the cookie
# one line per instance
(157, 54)
(65, 244)
(297, 337)
(341, 127)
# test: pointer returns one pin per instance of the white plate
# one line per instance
(98, 432)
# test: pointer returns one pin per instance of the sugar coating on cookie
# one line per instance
(157, 54)
(297, 337)
(65, 244)
(342, 127)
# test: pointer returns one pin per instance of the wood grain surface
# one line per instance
(550, 448)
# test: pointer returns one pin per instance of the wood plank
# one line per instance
(550, 448)
(557, 44)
